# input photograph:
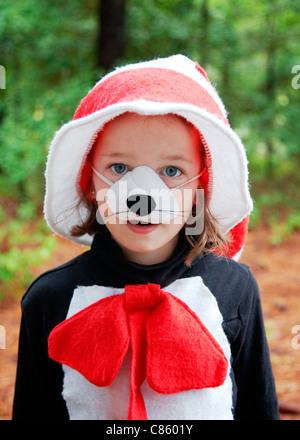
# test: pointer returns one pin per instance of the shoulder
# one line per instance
(232, 283)
(59, 276)
(51, 292)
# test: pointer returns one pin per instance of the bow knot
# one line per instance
(139, 297)
(170, 345)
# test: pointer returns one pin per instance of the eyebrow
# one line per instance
(176, 158)
(117, 154)
(165, 158)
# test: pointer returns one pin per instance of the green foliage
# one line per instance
(283, 230)
(277, 206)
(25, 244)
(48, 52)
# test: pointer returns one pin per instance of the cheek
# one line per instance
(185, 199)
(100, 189)
(97, 183)
(104, 212)
(197, 152)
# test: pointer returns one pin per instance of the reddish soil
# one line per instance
(277, 270)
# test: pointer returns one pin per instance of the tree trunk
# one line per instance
(204, 43)
(111, 36)
(270, 84)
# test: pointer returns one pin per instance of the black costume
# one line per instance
(39, 383)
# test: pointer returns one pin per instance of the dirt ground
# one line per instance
(277, 270)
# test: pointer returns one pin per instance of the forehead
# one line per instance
(136, 118)
(139, 131)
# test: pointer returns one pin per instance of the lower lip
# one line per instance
(138, 229)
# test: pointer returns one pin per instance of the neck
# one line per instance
(153, 257)
(119, 270)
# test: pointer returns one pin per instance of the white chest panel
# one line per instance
(86, 401)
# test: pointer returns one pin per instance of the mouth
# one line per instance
(141, 223)
(141, 227)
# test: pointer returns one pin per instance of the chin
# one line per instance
(158, 244)
(140, 245)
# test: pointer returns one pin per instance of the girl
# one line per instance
(151, 322)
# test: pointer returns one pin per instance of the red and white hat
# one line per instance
(167, 85)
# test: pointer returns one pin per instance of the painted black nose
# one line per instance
(141, 204)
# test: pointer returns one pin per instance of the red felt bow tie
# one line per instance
(170, 345)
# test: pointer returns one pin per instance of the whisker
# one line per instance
(182, 212)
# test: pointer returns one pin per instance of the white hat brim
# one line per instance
(230, 200)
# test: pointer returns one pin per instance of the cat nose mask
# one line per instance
(141, 195)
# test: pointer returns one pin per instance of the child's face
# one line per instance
(168, 146)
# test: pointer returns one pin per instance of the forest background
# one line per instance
(52, 53)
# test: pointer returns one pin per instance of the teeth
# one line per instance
(140, 223)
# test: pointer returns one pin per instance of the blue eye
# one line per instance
(119, 168)
(172, 172)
